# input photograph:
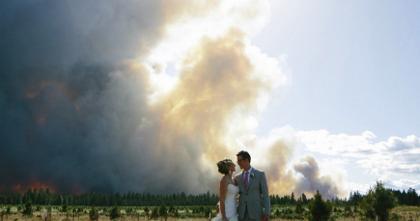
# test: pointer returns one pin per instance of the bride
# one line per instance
(227, 193)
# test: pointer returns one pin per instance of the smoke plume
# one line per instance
(312, 180)
(79, 109)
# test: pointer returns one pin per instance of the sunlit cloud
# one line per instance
(389, 160)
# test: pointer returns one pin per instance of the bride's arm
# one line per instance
(222, 196)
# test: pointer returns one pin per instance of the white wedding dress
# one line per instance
(230, 204)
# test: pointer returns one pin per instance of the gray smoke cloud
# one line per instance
(74, 93)
(75, 110)
(311, 179)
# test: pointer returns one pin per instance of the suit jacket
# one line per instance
(254, 197)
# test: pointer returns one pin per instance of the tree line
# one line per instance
(46, 197)
(408, 198)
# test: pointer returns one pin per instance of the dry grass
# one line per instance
(404, 213)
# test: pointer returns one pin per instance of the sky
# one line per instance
(353, 67)
(149, 95)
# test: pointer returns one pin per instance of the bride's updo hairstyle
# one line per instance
(223, 166)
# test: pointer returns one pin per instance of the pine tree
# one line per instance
(27, 210)
(378, 202)
(155, 213)
(299, 208)
(93, 214)
(115, 213)
(320, 210)
(163, 212)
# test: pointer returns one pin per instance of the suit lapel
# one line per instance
(250, 181)
(240, 182)
(251, 178)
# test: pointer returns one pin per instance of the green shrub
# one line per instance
(115, 213)
(320, 209)
(93, 214)
(27, 209)
(378, 202)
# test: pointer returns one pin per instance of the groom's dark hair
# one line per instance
(244, 155)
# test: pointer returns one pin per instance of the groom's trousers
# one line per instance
(246, 216)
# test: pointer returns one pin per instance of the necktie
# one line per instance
(246, 179)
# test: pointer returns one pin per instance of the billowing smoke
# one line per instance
(73, 100)
(312, 181)
(288, 172)
(78, 104)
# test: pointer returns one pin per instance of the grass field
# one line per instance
(401, 213)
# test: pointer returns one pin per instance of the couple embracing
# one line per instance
(251, 187)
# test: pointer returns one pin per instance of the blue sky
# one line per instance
(354, 66)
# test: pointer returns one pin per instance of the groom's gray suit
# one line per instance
(253, 198)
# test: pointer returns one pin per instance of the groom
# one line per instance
(254, 202)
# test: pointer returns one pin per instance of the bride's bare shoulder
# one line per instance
(224, 180)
